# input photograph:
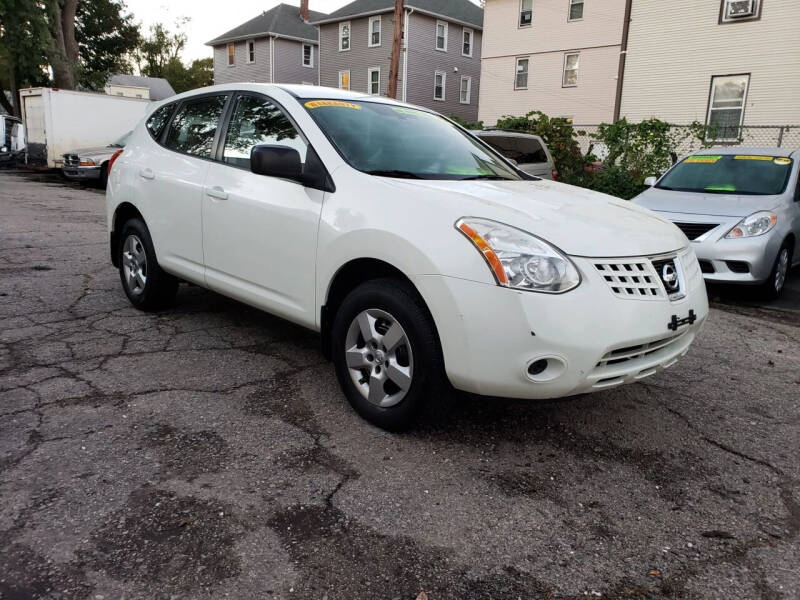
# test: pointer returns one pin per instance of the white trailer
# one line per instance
(59, 121)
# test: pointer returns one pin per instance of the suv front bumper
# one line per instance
(591, 338)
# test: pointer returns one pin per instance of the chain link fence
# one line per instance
(780, 136)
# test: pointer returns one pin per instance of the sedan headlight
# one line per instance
(518, 259)
(756, 224)
(87, 162)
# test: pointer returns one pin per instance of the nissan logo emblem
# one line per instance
(670, 277)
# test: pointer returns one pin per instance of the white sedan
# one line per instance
(423, 257)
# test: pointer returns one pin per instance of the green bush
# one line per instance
(641, 149)
(613, 180)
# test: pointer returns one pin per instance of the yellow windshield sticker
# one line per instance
(782, 160)
(321, 103)
(749, 157)
(703, 159)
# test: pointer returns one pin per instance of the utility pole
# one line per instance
(397, 38)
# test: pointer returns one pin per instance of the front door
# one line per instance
(260, 233)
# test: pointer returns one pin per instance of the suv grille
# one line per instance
(632, 279)
(71, 160)
(622, 355)
(695, 230)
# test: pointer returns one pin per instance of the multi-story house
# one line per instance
(726, 63)
(441, 59)
(561, 57)
(277, 46)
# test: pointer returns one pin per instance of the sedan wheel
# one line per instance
(781, 269)
(379, 357)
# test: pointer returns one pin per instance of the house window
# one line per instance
(736, 11)
(726, 106)
(251, 51)
(466, 44)
(374, 32)
(344, 36)
(231, 54)
(344, 80)
(521, 79)
(575, 10)
(441, 36)
(374, 78)
(439, 79)
(525, 13)
(570, 78)
(465, 91)
(308, 55)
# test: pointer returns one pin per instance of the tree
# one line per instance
(107, 38)
(23, 41)
(161, 47)
(62, 47)
(199, 74)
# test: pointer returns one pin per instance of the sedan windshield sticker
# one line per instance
(703, 159)
(320, 103)
(782, 160)
(749, 157)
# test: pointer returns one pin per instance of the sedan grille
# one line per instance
(695, 230)
(71, 160)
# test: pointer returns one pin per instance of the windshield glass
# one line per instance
(120, 143)
(729, 174)
(395, 141)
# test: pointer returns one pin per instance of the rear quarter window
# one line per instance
(155, 124)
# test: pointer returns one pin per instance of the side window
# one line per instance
(155, 124)
(258, 121)
(193, 128)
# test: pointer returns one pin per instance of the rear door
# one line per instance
(259, 232)
(170, 176)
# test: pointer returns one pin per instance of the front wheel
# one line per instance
(147, 286)
(386, 353)
(774, 285)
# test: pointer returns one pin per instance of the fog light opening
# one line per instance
(545, 368)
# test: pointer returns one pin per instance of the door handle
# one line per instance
(147, 174)
(217, 193)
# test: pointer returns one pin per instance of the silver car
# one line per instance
(528, 151)
(91, 163)
(740, 207)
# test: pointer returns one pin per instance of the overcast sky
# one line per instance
(210, 19)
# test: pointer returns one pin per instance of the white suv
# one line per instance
(423, 257)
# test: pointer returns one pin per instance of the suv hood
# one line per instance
(694, 203)
(578, 221)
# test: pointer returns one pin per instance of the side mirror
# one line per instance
(276, 161)
(650, 181)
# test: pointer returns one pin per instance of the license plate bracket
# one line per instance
(675, 322)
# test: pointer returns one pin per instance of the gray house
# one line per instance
(441, 64)
(277, 46)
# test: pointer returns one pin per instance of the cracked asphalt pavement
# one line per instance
(206, 452)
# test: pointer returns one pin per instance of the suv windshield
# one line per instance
(729, 174)
(396, 141)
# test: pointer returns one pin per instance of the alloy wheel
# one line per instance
(781, 269)
(379, 357)
(134, 264)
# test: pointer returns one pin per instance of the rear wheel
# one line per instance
(147, 286)
(774, 285)
(387, 354)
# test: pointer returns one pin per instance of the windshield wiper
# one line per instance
(493, 177)
(394, 173)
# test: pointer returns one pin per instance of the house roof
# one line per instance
(158, 86)
(462, 11)
(283, 20)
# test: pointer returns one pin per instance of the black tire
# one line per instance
(772, 288)
(102, 182)
(159, 287)
(429, 389)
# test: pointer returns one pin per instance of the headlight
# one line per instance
(756, 224)
(518, 259)
(87, 162)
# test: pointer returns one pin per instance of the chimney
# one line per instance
(304, 10)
